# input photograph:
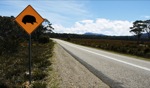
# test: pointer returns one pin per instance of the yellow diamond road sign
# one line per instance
(29, 19)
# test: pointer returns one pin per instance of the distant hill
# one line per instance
(145, 35)
(90, 33)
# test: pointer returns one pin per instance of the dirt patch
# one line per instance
(72, 74)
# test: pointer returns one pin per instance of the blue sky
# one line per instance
(120, 9)
(110, 17)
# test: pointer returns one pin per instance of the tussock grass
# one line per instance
(13, 68)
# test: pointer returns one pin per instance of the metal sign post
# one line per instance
(30, 77)
(29, 20)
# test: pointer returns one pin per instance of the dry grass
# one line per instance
(13, 67)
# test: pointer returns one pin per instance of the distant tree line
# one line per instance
(82, 36)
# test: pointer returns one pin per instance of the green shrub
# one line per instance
(39, 74)
(127, 47)
(3, 85)
(44, 39)
(39, 85)
(44, 64)
(147, 50)
(68, 39)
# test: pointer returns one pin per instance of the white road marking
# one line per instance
(131, 64)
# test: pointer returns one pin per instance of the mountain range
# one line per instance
(90, 33)
(144, 35)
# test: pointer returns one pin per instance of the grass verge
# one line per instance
(14, 68)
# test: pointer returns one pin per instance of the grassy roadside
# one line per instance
(14, 68)
(125, 48)
(53, 78)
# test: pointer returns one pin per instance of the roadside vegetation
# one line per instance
(14, 55)
(125, 47)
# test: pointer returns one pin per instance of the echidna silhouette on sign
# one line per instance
(29, 19)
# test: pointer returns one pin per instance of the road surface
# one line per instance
(116, 70)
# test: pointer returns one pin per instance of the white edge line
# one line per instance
(131, 64)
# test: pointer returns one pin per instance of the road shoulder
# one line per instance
(72, 74)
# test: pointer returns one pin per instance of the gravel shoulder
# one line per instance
(71, 73)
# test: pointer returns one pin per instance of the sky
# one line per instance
(109, 17)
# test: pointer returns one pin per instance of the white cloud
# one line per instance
(56, 11)
(87, 21)
(103, 26)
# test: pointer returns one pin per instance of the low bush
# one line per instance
(44, 39)
(13, 68)
(3, 85)
(39, 85)
(39, 74)
(127, 47)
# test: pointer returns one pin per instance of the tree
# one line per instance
(137, 29)
(42, 29)
(147, 27)
(48, 26)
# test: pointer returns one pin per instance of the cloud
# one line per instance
(56, 11)
(100, 25)
(87, 21)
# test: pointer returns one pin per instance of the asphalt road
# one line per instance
(116, 70)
